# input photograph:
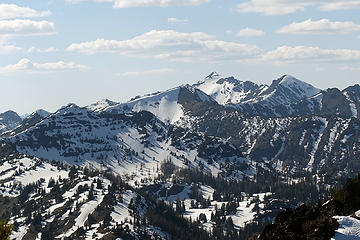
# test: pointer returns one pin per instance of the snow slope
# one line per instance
(349, 228)
(227, 91)
(164, 105)
(253, 99)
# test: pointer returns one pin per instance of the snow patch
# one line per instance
(349, 228)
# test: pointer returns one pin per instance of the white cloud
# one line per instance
(340, 5)
(299, 54)
(201, 47)
(321, 26)
(9, 11)
(147, 3)
(177, 20)
(28, 66)
(26, 27)
(157, 3)
(172, 45)
(250, 32)
(148, 72)
(274, 7)
(38, 50)
(7, 49)
(281, 7)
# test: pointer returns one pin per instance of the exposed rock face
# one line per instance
(303, 223)
(316, 222)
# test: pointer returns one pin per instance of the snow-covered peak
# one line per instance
(29, 121)
(198, 93)
(189, 87)
(71, 108)
(25, 115)
(287, 78)
(101, 105)
(293, 82)
(228, 90)
(253, 99)
(9, 120)
(304, 89)
(42, 113)
(164, 105)
(285, 91)
(38, 114)
(213, 75)
(9, 116)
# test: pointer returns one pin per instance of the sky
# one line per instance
(55, 52)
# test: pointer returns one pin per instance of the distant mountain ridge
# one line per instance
(9, 120)
(288, 126)
(286, 96)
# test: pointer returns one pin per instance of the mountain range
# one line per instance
(289, 134)
(289, 127)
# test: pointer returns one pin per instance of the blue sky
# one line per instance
(81, 51)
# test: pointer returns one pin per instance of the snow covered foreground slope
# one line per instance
(349, 228)
(51, 200)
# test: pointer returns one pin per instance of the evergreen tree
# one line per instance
(5, 230)
(99, 184)
(91, 193)
(73, 172)
(202, 218)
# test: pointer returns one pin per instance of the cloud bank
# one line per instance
(172, 45)
(250, 32)
(321, 26)
(201, 47)
(301, 54)
(10, 11)
(282, 7)
(26, 27)
(177, 20)
(147, 3)
(28, 66)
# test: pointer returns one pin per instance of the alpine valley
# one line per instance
(218, 159)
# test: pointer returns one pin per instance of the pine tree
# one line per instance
(72, 172)
(91, 193)
(99, 184)
(5, 230)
